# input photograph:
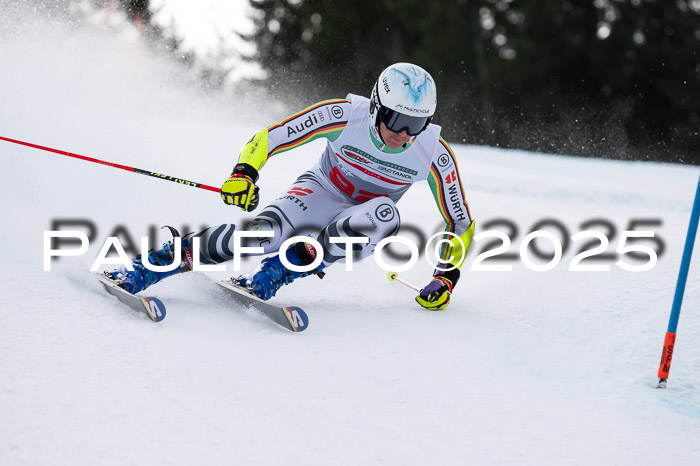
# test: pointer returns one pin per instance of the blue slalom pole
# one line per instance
(670, 340)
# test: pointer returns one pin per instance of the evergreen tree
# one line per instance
(606, 78)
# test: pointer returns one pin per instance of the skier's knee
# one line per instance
(383, 211)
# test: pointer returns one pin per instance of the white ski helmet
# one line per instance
(404, 97)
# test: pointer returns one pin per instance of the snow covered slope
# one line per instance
(524, 367)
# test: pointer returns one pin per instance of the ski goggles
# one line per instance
(397, 122)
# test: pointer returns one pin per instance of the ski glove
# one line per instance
(436, 295)
(240, 189)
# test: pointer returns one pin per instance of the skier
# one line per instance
(376, 149)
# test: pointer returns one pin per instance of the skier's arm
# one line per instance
(325, 119)
(446, 185)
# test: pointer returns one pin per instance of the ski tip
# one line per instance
(155, 308)
(297, 318)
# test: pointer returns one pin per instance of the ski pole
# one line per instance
(394, 277)
(115, 165)
(670, 339)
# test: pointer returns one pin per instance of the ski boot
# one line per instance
(141, 278)
(269, 277)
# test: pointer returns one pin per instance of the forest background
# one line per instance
(604, 78)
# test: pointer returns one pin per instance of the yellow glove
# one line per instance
(436, 295)
(240, 189)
